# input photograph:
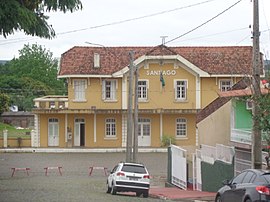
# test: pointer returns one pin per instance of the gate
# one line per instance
(178, 159)
(242, 160)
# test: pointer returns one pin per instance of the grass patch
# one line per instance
(14, 132)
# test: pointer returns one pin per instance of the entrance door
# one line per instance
(53, 132)
(79, 132)
(144, 132)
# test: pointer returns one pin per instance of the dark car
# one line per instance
(249, 186)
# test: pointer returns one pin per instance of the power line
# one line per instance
(117, 22)
(215, 34)
(137, 18)
(204, 22)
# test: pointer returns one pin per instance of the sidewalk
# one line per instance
(173, 193)
(76, 150)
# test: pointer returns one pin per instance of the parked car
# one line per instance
(249, 186)
(129, 177)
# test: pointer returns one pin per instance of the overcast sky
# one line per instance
(143, 22)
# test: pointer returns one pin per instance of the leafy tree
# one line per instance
(29, 15)
(32, 75)
(263, 118)
(4, 102)
(38, 63)
(264, 114)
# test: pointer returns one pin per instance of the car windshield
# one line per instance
(134, 169)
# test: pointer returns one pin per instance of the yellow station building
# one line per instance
(174, 84)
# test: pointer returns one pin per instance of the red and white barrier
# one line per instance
(19, 169)
(53, 168)
(98, 168)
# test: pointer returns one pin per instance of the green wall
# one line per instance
(243, 117)
(214, 175)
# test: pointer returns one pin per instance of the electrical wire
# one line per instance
(116, 22)
(215, 34)
(206, 22)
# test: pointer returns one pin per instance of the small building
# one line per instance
(228, 120)
(18, 119)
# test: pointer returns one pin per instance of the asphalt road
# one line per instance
(75, 184)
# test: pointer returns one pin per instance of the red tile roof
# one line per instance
(214, 60)
(241, 92)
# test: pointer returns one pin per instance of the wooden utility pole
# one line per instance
(256, 135)
(135, 135)
(130, 117)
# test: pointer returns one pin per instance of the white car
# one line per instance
(129, 177)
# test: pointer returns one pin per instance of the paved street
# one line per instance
(75, 184)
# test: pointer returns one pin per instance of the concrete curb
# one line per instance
(78, 150)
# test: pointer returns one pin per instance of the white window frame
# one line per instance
(176, 86)
(249, 104)
(223, 86)
(143, 90)
(181, 127)
(142, 123)
(111, 95)
(79, 86)
(110, 128)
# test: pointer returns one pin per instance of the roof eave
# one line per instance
(84, 76)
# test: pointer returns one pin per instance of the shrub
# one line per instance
(167, 140)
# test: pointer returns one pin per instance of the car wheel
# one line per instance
(145, 194)
(138, 194)
(113, 189)
(218, 198)
(248, 200)
(109, 189)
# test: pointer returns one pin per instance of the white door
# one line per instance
(77, 132)
(144, 132)
(53, 132)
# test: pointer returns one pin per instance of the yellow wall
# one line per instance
(155, 129)
(89, 127)
(93, 95)
(169, 125)
(210, 89)
(13, 142)
(101, 141)
(164, 97)
(44, 129)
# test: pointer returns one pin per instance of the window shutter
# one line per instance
(116, 84)
(103, 90)
(186, 83)
(175, 88)
(113, 88)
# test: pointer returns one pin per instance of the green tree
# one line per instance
(29, 15)
(37, 62)
(32, 75)
(264, 114)
(4, 102)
